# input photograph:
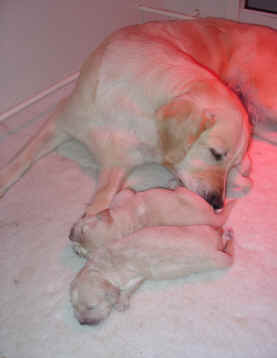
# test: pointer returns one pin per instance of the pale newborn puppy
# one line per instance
(132, 211)
(114, 273)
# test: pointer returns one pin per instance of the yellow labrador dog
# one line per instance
(142, 97)
(244, 56)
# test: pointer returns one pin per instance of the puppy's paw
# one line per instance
(228, 241)
(123, 303)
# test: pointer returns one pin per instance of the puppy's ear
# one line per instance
(112, 293)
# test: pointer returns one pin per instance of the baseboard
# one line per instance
(55, 89)
(35, 109)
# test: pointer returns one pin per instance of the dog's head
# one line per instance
(203, 136)
(92, 297)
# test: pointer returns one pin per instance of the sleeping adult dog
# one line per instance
(244, 56)
(142, 98)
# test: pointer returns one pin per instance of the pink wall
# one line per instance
(41, 42)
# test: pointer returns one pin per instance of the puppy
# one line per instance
(142, 98)
(109, 279)
(132, 211)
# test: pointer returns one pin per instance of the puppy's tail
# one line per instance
(42, 142)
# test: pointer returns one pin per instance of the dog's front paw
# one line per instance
(85, 225)
(78, 235)
(91, 232)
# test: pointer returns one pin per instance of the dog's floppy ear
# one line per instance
(178, 108)
(180, 123)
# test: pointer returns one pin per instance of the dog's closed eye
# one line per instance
(217, 155)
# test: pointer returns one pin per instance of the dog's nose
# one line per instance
(215, 200)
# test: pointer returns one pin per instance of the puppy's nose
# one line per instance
(215, 200)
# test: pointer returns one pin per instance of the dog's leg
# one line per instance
(109, 183)
(43, 142)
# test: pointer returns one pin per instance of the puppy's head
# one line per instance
(202, 140)
(92, 297)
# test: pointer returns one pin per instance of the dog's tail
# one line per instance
(40, 144)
